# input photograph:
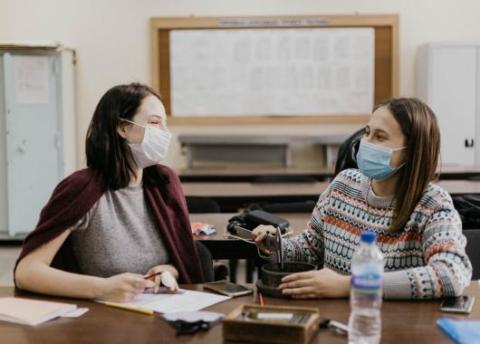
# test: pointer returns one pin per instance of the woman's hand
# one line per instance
(158, 279)
(323, 283)
(123, 287)
(260, 233)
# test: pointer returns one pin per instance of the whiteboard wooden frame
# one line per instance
(386, 59)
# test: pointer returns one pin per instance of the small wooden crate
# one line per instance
(237, 327)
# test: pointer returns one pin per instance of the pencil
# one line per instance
(128, 308)
(260, 299)
(152, 275)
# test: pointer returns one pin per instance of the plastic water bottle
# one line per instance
(364, 325)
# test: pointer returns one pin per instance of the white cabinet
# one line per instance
(448, 80)
(37, 141)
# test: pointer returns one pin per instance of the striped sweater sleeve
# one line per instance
(448, 269)
(309, 246)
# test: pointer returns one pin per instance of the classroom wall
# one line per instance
(112, 39)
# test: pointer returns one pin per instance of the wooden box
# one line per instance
(245, 324)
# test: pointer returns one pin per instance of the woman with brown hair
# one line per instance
(391, 193)
(123, 217)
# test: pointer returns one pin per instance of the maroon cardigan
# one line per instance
(75, 195)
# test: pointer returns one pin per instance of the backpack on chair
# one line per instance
(347, 152)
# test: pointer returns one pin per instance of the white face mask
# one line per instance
(154, 146)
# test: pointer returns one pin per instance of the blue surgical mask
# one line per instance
(374, 160)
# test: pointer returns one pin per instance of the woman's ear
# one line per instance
(122, 130)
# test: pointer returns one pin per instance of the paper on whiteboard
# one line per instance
(31, 79)
(185, 301)
(272, 71)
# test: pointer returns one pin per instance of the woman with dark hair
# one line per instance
(391, 193)
(123, 217)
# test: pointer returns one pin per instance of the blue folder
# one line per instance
(461, 331)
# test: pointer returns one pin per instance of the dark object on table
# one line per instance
(272, 274)
(250, 219)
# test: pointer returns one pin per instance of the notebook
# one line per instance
(31, 312)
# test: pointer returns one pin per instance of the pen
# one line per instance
(338, 326)
(128, 308)
(152, 275)
(260, 299)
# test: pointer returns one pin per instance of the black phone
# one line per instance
(263, 218)
(228, 288)
(461, 304)
(241, 232)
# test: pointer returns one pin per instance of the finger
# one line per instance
(174, 288)
(158, 280)
(256, 232)
(297, 276)
(298, 291)
(260, 237)
(141, 283)
(296, 284)
(173, 270)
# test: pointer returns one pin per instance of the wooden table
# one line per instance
(251, 173)
(402, 322)
(225, 173)
(234, 195)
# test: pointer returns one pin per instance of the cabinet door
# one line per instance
(452, 98)
(32, 124)
(477, 111)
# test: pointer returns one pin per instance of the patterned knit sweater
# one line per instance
(425, 260)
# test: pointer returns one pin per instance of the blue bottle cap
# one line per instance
(368, 237)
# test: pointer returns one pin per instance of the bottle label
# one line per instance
(367, 282)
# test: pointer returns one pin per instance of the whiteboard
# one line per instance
(283, 72)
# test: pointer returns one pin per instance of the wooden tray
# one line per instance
(243, 324)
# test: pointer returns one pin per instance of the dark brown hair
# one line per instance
(422, 141)
(107, 152)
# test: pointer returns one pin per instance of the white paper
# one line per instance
(31, 79)
(194, 316)
(184, 301)
(75, 313)
(272, 71)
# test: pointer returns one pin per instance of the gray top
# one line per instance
(118, 235)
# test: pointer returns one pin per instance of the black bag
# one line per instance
(347, 152)
(251, 218)
(468, 207)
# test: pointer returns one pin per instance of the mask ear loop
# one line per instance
(395, 150)
(132, 122)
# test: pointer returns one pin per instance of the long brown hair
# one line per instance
(420, 127)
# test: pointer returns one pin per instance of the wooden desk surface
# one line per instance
(247, 190)
(223, 173)
(298, 222)
(402, 322)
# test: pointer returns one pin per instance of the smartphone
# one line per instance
(228, 288)
(241, 232)
(461, 304)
